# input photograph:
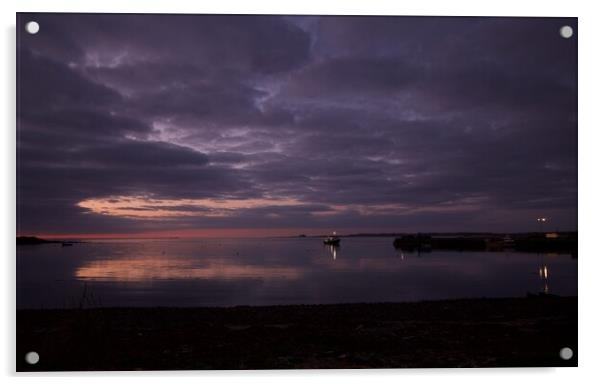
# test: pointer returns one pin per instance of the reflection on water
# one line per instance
(543, 275)
(155, 268)
(277, 271)
(333, 251)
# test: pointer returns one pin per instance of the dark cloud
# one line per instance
(45, 83)
(406, 123)
(355, 75)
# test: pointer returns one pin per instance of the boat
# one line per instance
(332, 240)
(66, 244)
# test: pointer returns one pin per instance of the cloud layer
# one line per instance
(384, 123)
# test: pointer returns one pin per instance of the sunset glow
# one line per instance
(148, 208)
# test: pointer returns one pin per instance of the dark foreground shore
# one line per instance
(458, 333)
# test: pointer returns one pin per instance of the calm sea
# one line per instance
(227, 272)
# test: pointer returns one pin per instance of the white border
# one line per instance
(590, 63)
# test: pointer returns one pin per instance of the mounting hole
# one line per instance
(566, 353)
(566, 31)
(32, 27)
(32, 358)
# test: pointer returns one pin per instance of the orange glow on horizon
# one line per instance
(142, 207)
(145, 208)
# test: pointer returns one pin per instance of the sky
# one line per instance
(226, 125)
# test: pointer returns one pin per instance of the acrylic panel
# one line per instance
(281, 191)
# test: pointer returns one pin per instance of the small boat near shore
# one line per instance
(332, 240)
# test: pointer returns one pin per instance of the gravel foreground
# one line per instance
(452, 333)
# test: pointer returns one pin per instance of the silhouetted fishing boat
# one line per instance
(332, 240)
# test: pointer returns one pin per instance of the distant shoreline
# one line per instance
(421, 242)
(31, 240)
(58, 238)
(435, 234)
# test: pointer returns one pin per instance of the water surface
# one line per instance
(227, 272)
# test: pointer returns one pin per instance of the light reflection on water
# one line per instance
(333, 251)
(158, 268)
(220, 272)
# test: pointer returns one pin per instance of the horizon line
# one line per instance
(258, 233)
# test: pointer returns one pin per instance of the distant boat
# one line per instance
(332, 240)
(67, 244)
